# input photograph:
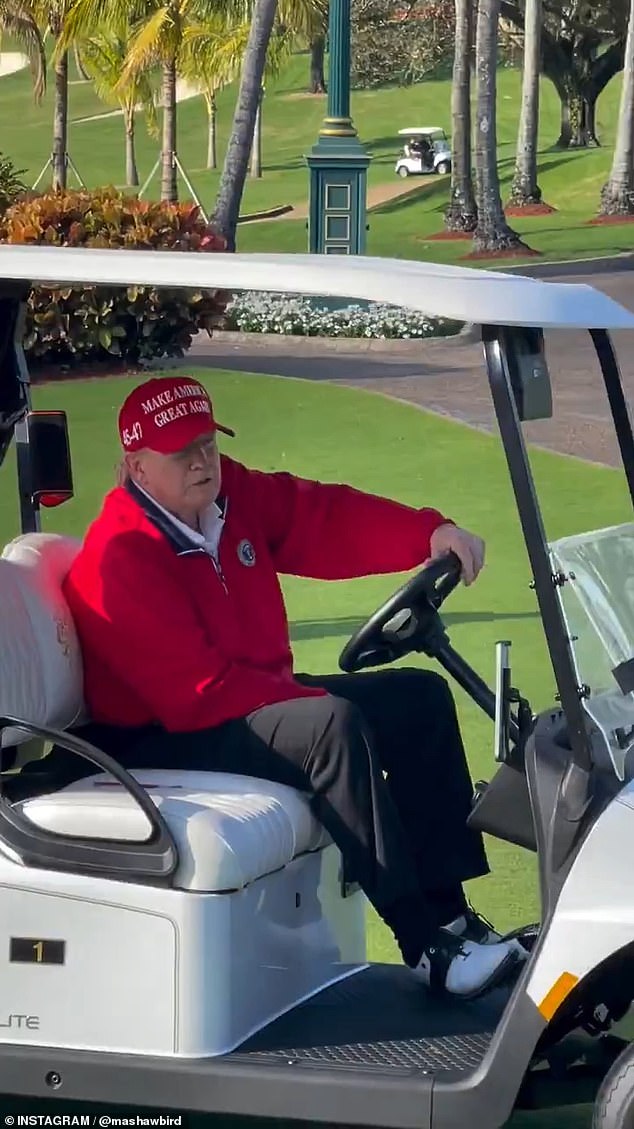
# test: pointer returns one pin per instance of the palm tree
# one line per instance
(317, 48)
(461, 214)
(524, 188)
(157, 38)
(492, 232)
(617, 195)
(18, 19)
(311, 23)
(52, 15)
(307, 21)
(227, 210)
(295, 18)
(103, 57)
(212, 117)
(211, 56)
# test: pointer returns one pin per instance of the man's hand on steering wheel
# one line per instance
(408, 620)
(467, 546)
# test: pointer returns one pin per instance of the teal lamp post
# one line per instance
(338, 162)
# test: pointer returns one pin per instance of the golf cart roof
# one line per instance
(420, 130)
(459, 293)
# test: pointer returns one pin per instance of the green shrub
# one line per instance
(76, 323)
(10, 184)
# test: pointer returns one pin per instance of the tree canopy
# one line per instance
(399, 41)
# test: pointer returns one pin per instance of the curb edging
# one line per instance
(336, 344)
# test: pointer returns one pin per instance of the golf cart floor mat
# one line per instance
(380, 1018)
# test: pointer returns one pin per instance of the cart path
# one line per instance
(377, 194)
(11, 62)
(447, 376)
(184, 91)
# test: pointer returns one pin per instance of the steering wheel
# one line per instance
(407, 621)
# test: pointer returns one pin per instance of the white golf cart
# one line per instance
(427, 150)
(187, 941)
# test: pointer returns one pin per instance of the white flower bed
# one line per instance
(255, 312)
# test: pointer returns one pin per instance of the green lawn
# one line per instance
(570, 181)
(341, 434)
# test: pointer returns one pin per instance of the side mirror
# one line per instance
(530, 379)
(50, 477)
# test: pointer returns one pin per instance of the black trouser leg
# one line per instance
(416, 736)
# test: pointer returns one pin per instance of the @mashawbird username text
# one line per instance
(102, 1120)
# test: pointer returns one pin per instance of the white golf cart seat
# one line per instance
(254, 866)
(229, 829)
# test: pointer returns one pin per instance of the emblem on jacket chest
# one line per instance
(246, 552)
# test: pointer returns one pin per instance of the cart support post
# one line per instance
(618, 403)
(495, 351)
(17, 399)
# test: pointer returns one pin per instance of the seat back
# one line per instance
(41, 672)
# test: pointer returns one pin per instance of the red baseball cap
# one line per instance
(166, 414)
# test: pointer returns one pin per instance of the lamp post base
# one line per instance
(338, 166)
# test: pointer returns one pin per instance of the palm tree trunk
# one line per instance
(234, 172)
(525, 189)
(492, 232)
(169, 190)
(212, 151)
(317, 54)
(131, 171)
(591, 121)
(617, 195)
(256, 148)
(60, 122)
(461, 215)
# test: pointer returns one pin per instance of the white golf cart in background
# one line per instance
(189, 941)
(427, 150)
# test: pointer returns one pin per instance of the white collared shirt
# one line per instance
(211, 525)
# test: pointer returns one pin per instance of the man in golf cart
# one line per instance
(188, 664)
(418, 147)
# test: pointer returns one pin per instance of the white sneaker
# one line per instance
(465, 968)
(472, 926)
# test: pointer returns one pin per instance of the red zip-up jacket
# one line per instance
(168, 638)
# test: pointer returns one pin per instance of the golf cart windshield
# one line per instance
(596, 590)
